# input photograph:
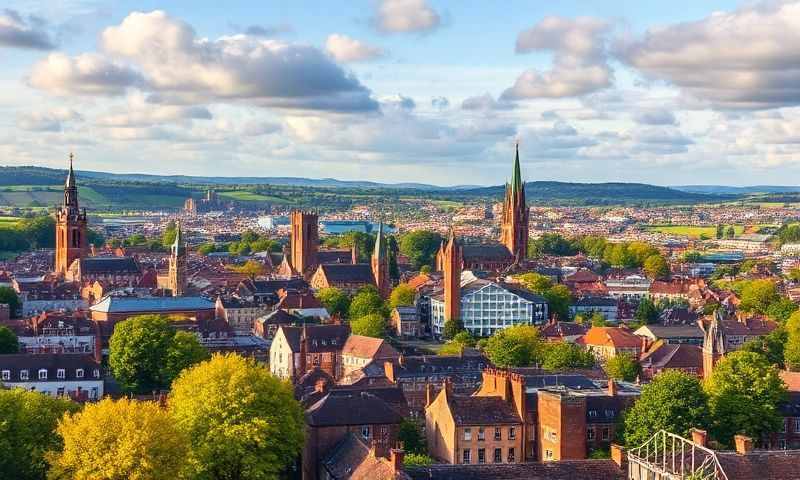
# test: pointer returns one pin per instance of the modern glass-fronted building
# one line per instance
(488, 306)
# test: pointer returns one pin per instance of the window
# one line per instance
(512, 433)
(79, 373)
(7, 376)
(60, 373)
(23, 374)
(497, 431)
(481, 434)
(548, 454)
(605, 434)
(797, 425)
(365, 432)
(590, 434)
(609, 413)
(498, 455)
(466, 456)
(96, 373)
(510, 455)
(42, 374)
(481, 455)
(592, 413)
(467, 434)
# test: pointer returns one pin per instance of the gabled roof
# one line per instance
(347, 272)
(469, 410)
(352, 459)
(610, 337)
(319, 338)
(350, 407)
(368, 347)
(112, 265)
(486, 251)
(666, 355)
(110, 304)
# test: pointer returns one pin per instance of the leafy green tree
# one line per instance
(593, 245)
(781, 309)
(242, 423)
(656, 267)
(559, 298)
(363, 242)
(598, 320)
(403, 295)
(366, 301)
(249, 236)
(252, 268)
(145, 353)
(420, 246)
(720, 231)
(417, 460)
(535, 282)
(617, 255)
(169, 234)
(27, 429)
(562, 356)
(335, 301)
(457, 344)
(552, 244)
(647, 313)
(730, 232)
(515, 346)
(794, 275)
(40, 231)
(425, 269)
(771, 346)
(758, 295)
(183, 352)
(370, 325)
(93, 237)
(452, 328)
(410, 433)
(641, 251)
(744, 393)
(8, 340)
(207, 248)
(691, 256)
(9, 296)
(674, 401)
(265, 245)
(622, 367)
(120, 439)
(791, 353)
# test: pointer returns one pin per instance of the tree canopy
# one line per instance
(674, 401)
(115, 439)
(758, 295)
(562, 355)
(420, 246)
(335, 301)
(403, 295)
(370, 325)
(9, 296)
(27, 429)
(365, 302)
(515, 346)
(622, 367)
(241, 422)
(8, 340)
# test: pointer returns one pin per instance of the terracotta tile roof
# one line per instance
(562, 470)
(791, 379)
(419, 280)
(669, 288)
(761, 465)
(610, 337)
(664, 355)
(368, 347)
(468, 410)
(352, 459)
(582, 276)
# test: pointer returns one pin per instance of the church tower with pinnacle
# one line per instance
(380, 264)
(514, 229)
(71, 242)
(177, 265)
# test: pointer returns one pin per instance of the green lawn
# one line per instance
(8, 221)
(691, 230)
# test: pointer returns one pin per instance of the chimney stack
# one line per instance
(388, 370)
(396, 458)
(618, 455)
(612, 387)
(744, 444)
(699, 437)
(428, 394)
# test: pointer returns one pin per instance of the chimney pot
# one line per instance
(699, 437)
(618, 455)
(612, 387)
(396, 456)
(744, 444)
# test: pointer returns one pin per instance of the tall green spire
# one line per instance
(379, 241)
(516, 179)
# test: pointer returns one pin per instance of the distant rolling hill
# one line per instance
(38, 186)
(725, 190)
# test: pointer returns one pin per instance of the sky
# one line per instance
(433, 91)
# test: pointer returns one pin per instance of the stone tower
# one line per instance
(380, 264)
(713, 343)
(305, 242)
(514, 229)
(452, 265)
(71, 243)
(177, 265)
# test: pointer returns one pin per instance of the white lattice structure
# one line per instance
(666, 456)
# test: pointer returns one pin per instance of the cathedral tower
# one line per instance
(452, 265)
(713, 343)
(380, 264)
(70, 226)
(305, 242)
(514, 229)
(177, 265)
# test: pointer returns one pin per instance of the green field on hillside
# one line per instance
(692, 231)
(8, 221)
(248, 196)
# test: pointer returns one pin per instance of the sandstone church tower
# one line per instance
(71, 243)
(713, 344)
(305, 242)
(452, 265)
(177, 265)
(380, 264)
(514, 229)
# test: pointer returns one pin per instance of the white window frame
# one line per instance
(467, 434)
(6, 375)
(24, 374)
(61, 373)
(78, 373)
(42, 375)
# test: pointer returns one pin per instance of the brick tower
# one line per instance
(70, 226)
(380, 265)
(452, 265)
(305, 242)
(177, 265)
(514, 229)
(713, 343)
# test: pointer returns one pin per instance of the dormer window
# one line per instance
(96, 373)
(42, 374)
(23, 374)
(61, 373)
(79, 373)
(6, 375)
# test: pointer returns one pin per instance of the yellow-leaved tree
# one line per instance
(122, 439)
(242, 422)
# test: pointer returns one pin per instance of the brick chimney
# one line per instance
(388, 370)
(699, 437)
(744, 444)
(396, 456)
(618, 455)
(612, 387)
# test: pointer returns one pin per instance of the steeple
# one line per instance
(514, 227)
(177, 265)
(71, 174)
(379, 242)
(71, 241)
(380, 264)
(713, 342)
(516, 177)
(71, 188)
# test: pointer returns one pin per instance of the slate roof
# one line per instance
(320, 338)
(596, 302)
(111, 304)
(425, 365)
(669, 355)
(469, 410)
(52, 362)
(761, 465)
(115, 265)
(673, 331)
(487, 251)
(334, 256)
(351, 407)
(562, 470)
(347, 272)
(351, 459)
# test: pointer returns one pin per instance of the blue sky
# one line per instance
(430, 91)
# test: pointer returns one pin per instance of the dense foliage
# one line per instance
(420, 246)
(622, 367)
(8, 340)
